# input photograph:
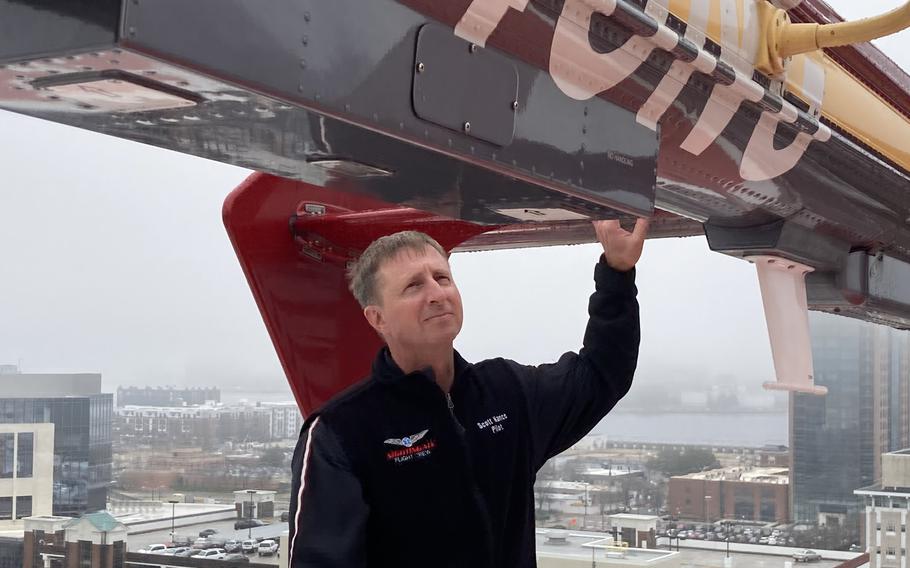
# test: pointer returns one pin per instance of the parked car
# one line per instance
(806, 556)
(212, 554)
(189, 553)
(267, 548)
(232, 545)
(249, 546)
(207, 533)
(153, 549)
(175, 551)
(247, 523)
(201, 543)
(236, 558)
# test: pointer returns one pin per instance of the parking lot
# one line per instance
(225, 530)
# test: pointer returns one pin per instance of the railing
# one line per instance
(855, 562)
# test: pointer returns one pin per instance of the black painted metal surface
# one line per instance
(287, 85)
(464, 87)
(35, 28)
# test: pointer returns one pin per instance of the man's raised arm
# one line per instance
(568, 398)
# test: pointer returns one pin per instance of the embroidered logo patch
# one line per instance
(407, 441)
(410, 447)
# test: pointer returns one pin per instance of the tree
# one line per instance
(272, 457)
(690, 460)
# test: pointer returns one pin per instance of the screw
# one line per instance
(306, 16)
(514, 105)
(306, 40)
(132, 30)
(467, 126)
(421, 67)
(303, 63)
(472, 48)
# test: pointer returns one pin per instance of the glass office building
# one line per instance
(81, 415)
(837, 439)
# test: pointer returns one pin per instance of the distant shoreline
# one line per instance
(702, 411)
(286, 396)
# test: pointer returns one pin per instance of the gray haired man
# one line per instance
(431, 460)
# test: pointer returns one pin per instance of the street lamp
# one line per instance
(586, 504)
(250, 526)
(173, 501)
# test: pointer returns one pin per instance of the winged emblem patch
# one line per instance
(407, 441)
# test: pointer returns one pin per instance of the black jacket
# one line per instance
(391, 473)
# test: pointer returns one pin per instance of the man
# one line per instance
(431, 460)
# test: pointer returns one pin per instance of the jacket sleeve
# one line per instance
(327, 516)
(568, 398)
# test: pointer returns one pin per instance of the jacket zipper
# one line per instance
(451, 405)
(475, 491)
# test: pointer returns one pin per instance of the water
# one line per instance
(709, 429)
(743, 429)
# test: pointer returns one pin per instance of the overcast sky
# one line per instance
(113, 259)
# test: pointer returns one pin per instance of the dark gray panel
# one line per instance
(355, 61)
(35, 28)
(464, 87)
(779, 238)
(872, 288)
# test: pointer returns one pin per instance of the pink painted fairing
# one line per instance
(783, 290)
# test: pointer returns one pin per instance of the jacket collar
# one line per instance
(387, 371)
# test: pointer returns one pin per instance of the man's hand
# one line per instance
(622, 249)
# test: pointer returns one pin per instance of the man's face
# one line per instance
(419, 304)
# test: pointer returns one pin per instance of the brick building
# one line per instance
(758, 494)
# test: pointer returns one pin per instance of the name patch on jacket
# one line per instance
(494, 423)
(411, 448)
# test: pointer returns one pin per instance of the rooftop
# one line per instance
(588, 545)
(879, 489)
(34, 385)
(611, 471)
(632, 517)
(103, 521)
(773, 475)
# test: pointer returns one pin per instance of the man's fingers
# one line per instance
(603, 228)
(641, 228)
